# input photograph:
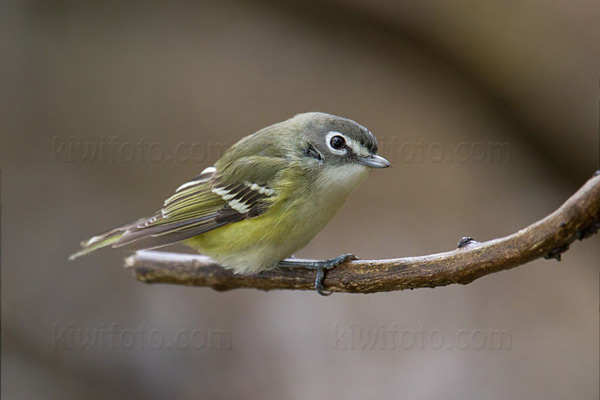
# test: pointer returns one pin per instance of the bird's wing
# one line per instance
(217, 197)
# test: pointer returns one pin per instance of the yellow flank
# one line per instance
(253, 244)
(243, 234)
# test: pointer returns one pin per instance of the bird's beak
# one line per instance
(374, 161)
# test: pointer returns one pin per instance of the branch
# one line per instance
(577, 218)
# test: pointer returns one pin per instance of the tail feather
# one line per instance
(148, 233)
(95, 243)
(105, 239)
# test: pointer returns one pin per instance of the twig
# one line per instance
(577, 218)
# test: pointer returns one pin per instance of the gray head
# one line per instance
(338, 141)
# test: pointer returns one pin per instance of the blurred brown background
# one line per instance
(523, 74)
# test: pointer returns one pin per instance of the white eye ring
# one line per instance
(339, 152)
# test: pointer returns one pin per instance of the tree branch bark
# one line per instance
(577, 218)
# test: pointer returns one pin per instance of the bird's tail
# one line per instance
(101, 240)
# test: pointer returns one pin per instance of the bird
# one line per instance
(264, 199)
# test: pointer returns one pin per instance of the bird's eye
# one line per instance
(337, 142)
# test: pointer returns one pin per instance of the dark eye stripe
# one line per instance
(312, 152)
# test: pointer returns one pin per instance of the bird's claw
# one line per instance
(327, 265)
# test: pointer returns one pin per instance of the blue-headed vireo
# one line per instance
(268, 196)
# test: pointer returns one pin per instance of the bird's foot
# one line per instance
(320, 266)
